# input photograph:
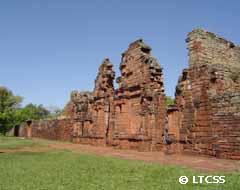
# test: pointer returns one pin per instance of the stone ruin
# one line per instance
(139, 108)
(208, 97)
(204, 120)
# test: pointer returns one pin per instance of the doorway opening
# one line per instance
(16, 130)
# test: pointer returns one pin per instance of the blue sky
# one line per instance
(50, 47)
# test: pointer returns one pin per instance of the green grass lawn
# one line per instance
(57, 170)
(18, 143)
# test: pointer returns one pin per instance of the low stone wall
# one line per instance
(56, 129)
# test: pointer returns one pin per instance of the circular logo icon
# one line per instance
(183, 179)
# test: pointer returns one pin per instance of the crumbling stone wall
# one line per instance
(54, 129)
(140, 114)
(174, 121)
(103, 94)
(204, 120)
(208, 96)
(92, 111)
(133, 116)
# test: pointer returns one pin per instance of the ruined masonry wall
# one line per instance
(208, 97)
(139, 109)
(56, 129)
(204, 120)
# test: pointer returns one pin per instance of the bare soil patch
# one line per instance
(200, 163)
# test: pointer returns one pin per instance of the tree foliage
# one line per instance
(169, 101)
(55, 112)
(9, 104)
(12, 114)
(34, 112)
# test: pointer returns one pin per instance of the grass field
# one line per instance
(57, 170)
(18, 143)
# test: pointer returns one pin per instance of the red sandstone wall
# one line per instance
(139, 109)
(208, 97)
(174, 117)
(205, 120)
(132, 116)
(92, 111)
(57, 129)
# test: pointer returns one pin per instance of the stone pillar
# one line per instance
(103, 100)
(141, 97)
(29, 129)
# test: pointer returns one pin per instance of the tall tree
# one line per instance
(34, 112)
(9, 104)
(12, 114)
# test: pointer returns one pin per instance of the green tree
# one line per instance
(12, 114)
(55, 112)
(34, 112)
(169, 101)
(9, 104)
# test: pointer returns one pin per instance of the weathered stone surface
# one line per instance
(140, 114)
(56, 129)
(204, 120)
(207, 97)
(93, 110)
